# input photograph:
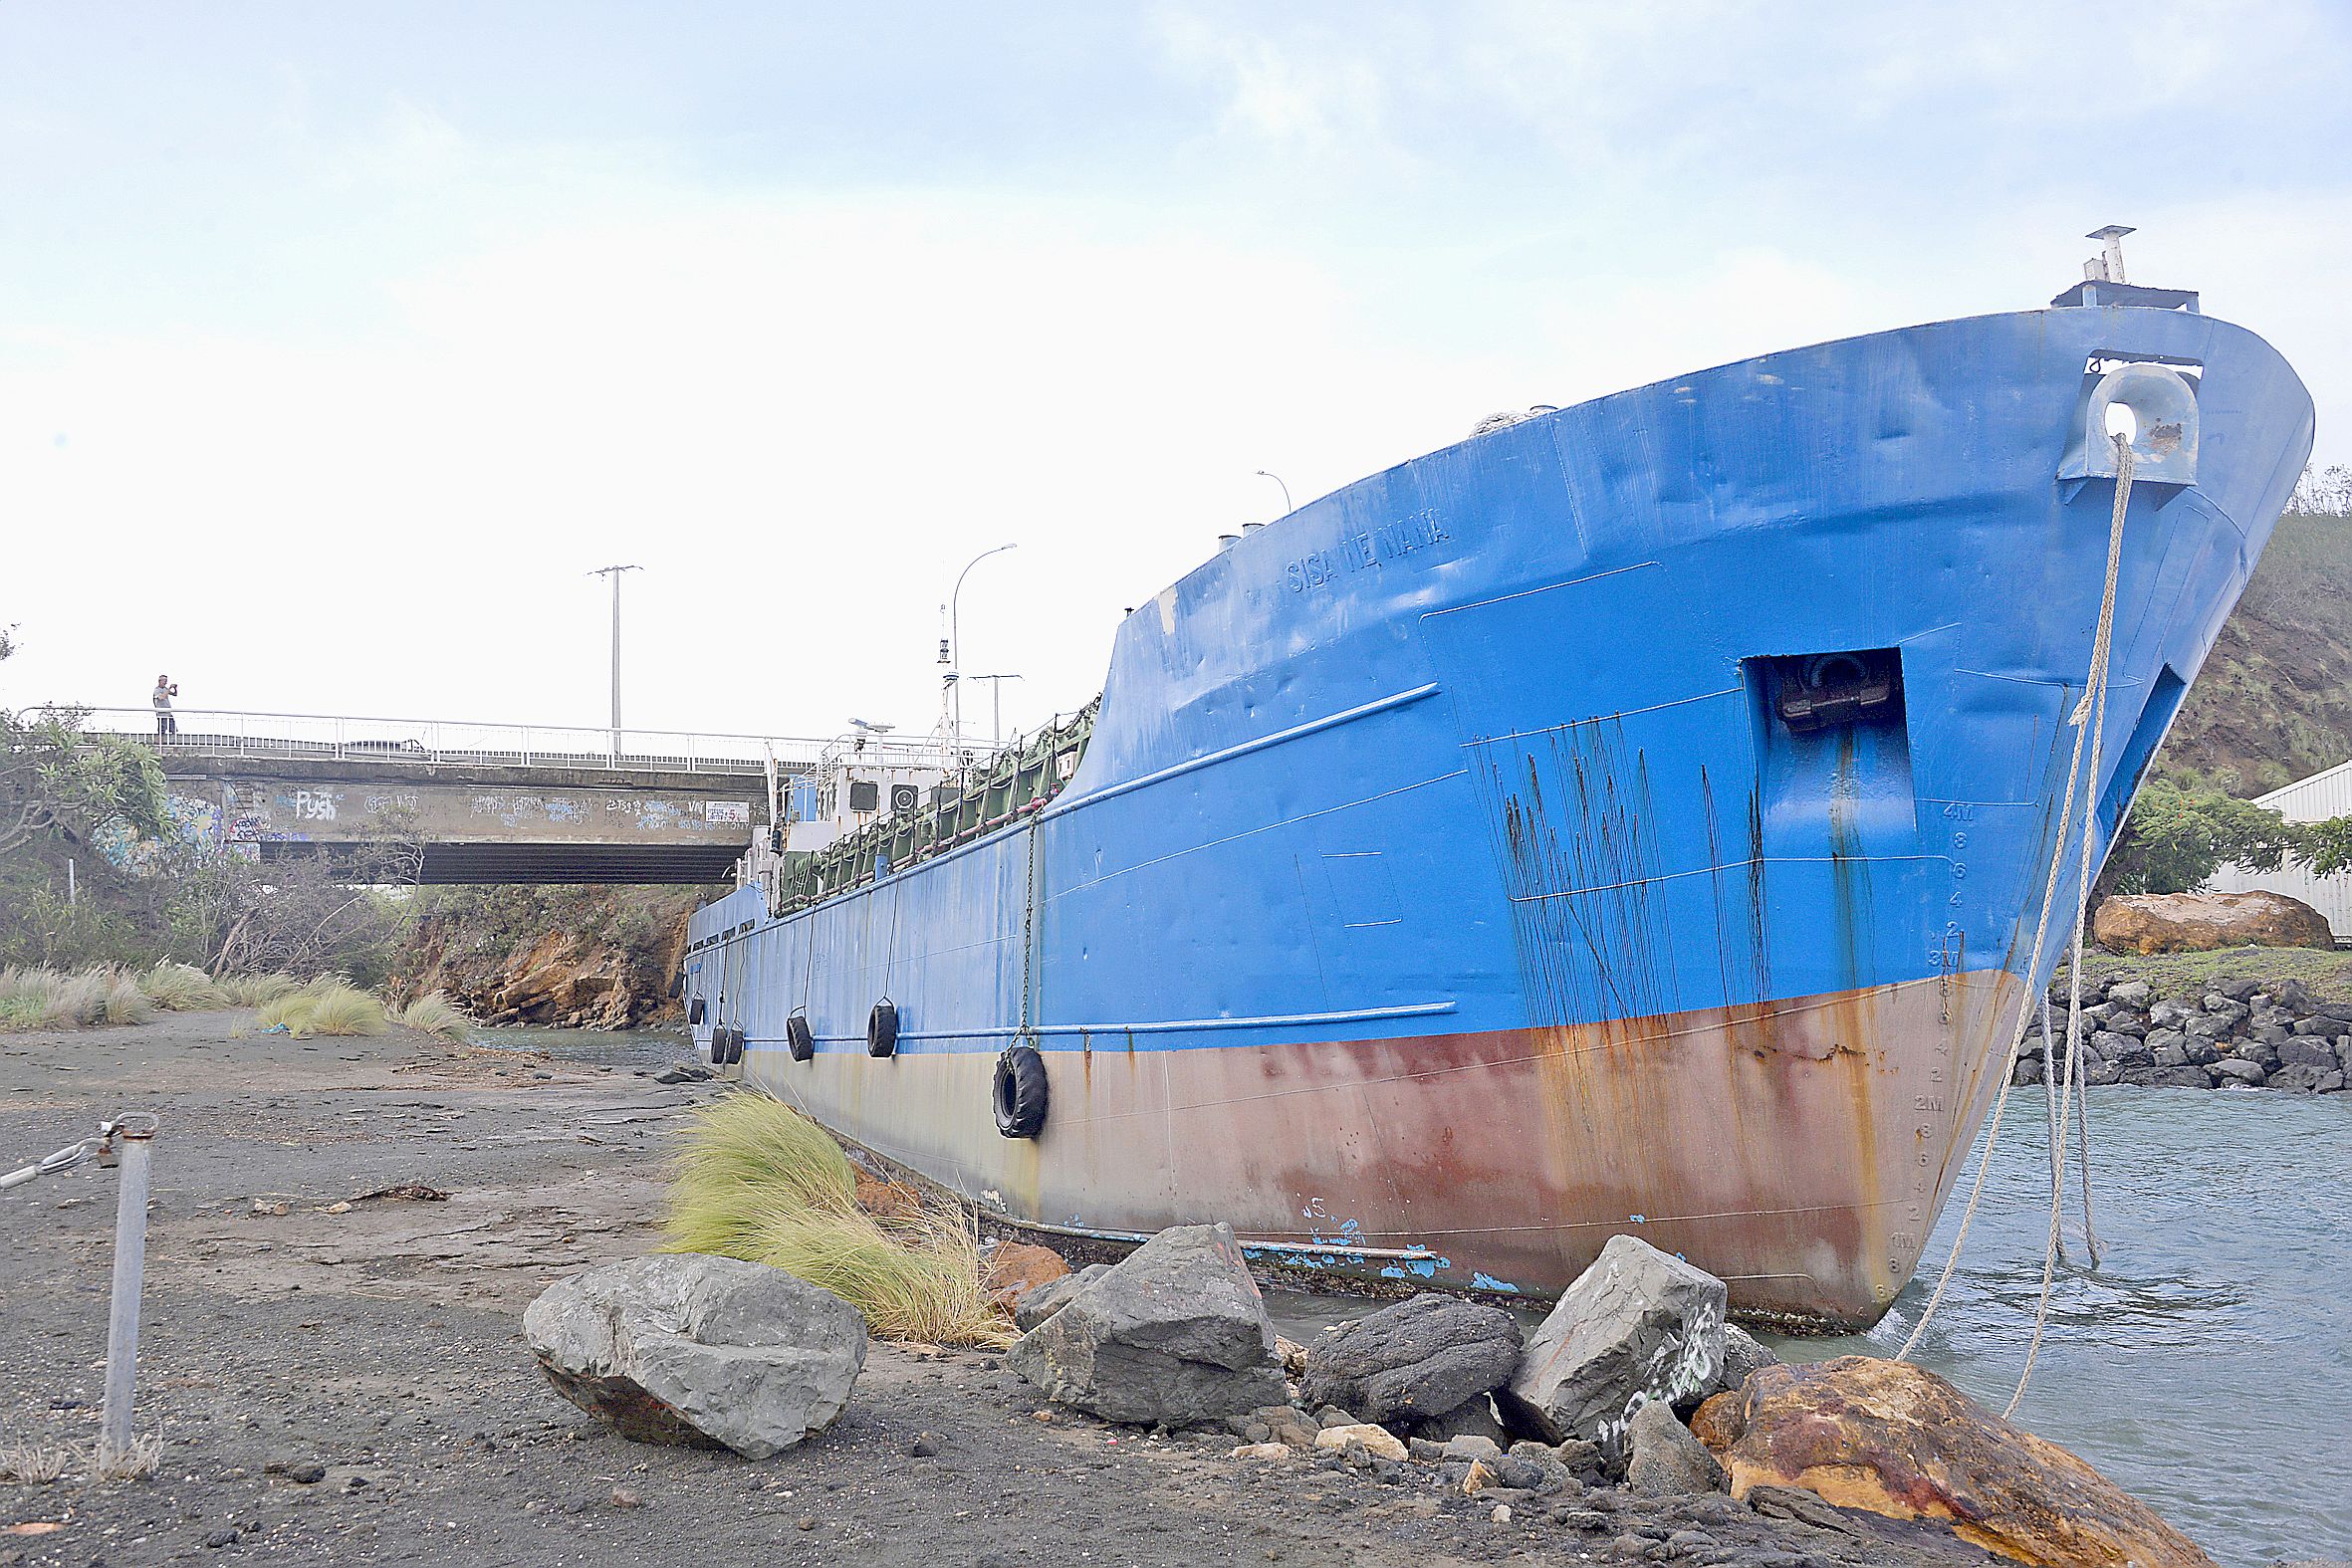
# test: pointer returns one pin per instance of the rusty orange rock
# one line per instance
(1716, 1421)
(888, 1201)
(1016, 1268)
(1888, 1438)
(2200, 921)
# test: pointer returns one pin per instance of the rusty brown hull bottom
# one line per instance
(1800, 1150)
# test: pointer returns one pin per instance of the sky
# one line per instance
(339, 345)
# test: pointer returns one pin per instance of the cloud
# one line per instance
(355, 446)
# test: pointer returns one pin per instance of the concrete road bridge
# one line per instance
(492, 803)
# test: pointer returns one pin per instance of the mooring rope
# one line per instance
(2097, 680)
(2083, 1165)
(2049, 1089)
(2096, 700)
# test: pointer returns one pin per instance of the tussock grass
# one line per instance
(34, 1463)
(759, 1181)
(45, 999)
(253, 991)
(182, 987)
(125, 1000)
(326, 1006)
(136, 1462)
(435, 1014)
(48, 999)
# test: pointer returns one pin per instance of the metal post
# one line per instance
(615, 573)
(130, 1253)
(955, 643)
(1277, 479)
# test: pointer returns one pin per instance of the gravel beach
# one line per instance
(337, 1375)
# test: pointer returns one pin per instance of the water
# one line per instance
(588, 1047)
(2206, 1366)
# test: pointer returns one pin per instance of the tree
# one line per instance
(2323, 493)
(2177, 838)
(2179, 835)
(59, 780)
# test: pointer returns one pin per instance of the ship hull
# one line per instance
(1452, 881)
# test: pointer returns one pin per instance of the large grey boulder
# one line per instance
(1666, 1461)
(1473, 1418)
(1176, 1333)
(1638, 1327)
(1421, 1358)
(2307, 1050)
(1742, 1353)
(1051, 1298)
(706, 1351)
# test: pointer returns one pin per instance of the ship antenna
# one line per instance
(2108, 266)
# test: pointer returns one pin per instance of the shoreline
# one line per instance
(347, 1379)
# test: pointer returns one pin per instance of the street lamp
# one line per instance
(1277, 479)
(954, 645)
(615, 573)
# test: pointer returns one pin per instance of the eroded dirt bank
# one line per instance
(353, 1386)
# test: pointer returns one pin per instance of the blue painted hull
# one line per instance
(1442, 887)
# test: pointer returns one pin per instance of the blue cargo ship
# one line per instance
(1634, 819)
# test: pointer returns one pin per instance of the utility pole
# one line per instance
(955, 641)
(996, 687)
(615, 573)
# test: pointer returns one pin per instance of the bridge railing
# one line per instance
(215, 732)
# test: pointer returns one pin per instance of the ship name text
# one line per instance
(1365, 550)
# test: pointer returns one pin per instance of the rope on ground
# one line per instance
(2094, 713)
(2050, 894)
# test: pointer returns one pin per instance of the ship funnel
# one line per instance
(1252, 528)
(1226, 542)
(2108, 266)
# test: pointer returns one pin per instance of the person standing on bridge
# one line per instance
(165, 725)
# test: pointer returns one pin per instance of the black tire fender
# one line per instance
(799, 1038)
(1019, 1092)
(732, 1040)
(881, 1030)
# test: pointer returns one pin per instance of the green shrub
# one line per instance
(182, 987)
(761, 1182)
(253, 991)
(327, 1006)
(435, 1014)
(123, 1001)
(44, 999)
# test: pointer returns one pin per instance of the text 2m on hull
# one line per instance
(1634, 819)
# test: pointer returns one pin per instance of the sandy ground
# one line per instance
(352, 1385)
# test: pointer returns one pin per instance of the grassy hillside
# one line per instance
(2274, 702)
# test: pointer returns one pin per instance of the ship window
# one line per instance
(864, 795)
